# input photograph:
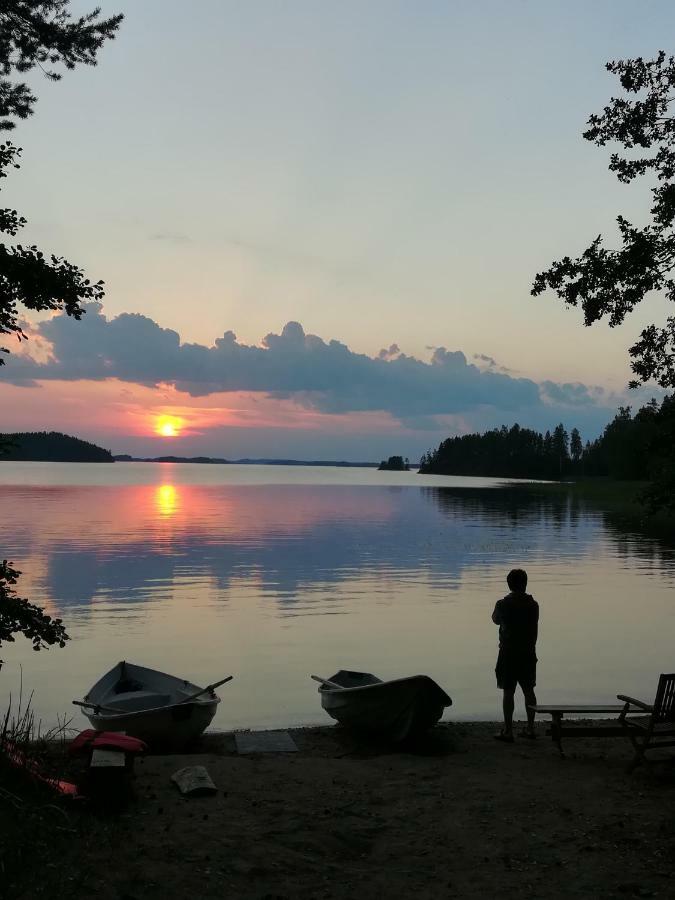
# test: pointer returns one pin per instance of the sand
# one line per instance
(460, 816)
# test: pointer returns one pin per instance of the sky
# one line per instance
(318, 225)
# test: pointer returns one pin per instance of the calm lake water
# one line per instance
(271, 573)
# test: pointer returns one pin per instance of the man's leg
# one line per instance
(530, 700)
(507, 705)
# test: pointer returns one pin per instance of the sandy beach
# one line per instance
(460, 815)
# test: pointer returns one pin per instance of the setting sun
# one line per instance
(168, 426)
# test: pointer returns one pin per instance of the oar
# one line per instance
(331, 684)
(97, 706)
(209, 687)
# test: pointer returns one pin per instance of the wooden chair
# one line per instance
(659, 730)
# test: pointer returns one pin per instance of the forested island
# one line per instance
(632, 447)
(394, 464)
(50, 446)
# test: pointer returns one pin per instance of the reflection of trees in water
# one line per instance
(509, 506)
(630, 543)
(528, 507)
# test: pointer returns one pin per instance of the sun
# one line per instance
(168, 426)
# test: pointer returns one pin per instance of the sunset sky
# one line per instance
(318, 225)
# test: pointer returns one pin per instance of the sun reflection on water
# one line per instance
(166, 499)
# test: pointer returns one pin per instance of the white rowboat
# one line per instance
(394, 710)
(150, 705)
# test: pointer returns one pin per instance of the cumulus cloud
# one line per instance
(323, 375)
(570, 394)
(391, 353)
(491, 363)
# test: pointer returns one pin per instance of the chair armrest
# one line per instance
(646, 706)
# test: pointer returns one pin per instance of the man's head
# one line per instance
(517, 579)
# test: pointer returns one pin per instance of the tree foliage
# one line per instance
(30, 279)
(43, 34)
(661, 492)
(625, 449)
(610, 283)
(39, 33)
(504, 452)
(635, 447)
(395, 464)
(18, 616)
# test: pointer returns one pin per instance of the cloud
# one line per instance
(490, 363)
(321, 375)
(392, 353)
(488, 360)
(171, 237)
(571, 394)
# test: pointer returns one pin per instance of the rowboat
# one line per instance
(394, 710)
(150, 705)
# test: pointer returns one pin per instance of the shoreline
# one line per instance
(459, 814)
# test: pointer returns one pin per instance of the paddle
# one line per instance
(209, 687)
(332, 684)
(97, 706)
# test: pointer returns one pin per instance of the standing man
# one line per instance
(517, 615)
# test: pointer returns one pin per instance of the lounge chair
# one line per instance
(659, 730)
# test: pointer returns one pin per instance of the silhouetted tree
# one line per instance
(511, 452)
(612, 282)
(661, 493)
(18, 616)
(637, 447)
(627, 448)
(43, 33)
(39, 33)
(576, 447)
(52, 446)
(394, 464)
(559, 448)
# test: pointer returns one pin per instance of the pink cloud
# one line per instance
(115, 409)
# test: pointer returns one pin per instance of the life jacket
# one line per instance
(105, 740)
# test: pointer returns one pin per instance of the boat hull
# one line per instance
(394, 710)
(173, 726)
(150, 705)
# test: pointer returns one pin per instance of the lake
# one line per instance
(271, 573)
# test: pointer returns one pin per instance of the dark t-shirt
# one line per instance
(517, 615)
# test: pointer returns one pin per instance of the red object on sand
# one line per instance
(18, 758)
(89, 739)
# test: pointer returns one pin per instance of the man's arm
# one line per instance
(496, 615)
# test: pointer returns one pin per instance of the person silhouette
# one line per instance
(517, 615)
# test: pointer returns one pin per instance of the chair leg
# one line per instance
(635, 762)
(556, 732)
(639, 757)
(639, 746)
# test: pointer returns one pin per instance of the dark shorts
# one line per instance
(516, 668)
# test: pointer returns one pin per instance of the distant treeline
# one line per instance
(50, 446)
(636, 447)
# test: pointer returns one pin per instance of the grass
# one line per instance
(35, 827)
